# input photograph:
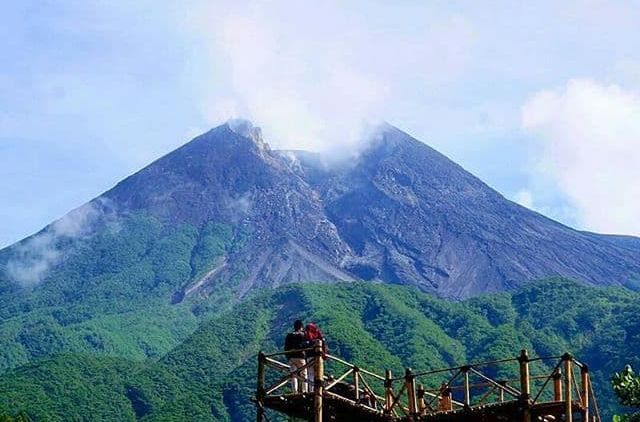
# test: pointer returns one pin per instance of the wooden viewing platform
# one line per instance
(561, 391)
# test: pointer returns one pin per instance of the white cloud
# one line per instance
(590, 145)
(300, 99)
(314, 76)
(34, 257)
(627, 71)
(524, 197)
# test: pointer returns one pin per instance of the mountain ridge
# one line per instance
(400, 212)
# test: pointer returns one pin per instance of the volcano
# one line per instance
(399, 213)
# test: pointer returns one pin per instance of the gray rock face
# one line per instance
(401, 213)
(231, 176)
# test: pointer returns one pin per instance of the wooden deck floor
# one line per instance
(301, 406)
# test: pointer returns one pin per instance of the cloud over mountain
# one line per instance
(314, 77)
(590, 137)
(33, 258)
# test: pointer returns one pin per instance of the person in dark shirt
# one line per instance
(295, 341)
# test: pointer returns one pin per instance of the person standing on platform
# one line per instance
(313, 335)
(295, 341)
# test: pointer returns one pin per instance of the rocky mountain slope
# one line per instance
(412, 216)
(400, 213)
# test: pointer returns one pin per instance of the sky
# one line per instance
(541, 100)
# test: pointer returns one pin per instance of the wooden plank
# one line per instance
(336, 381)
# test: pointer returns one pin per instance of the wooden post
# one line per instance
(568, 375)
(501, 391)
(260, 388)
(467, 388)
(422, 405)
(388, 392)
(445, 403)
(356, 382)
(557, 385)
(584, 391)
(410, 383)
(525, 384)
(318, 380)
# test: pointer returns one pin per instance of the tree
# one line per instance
(20, 417)
(626, 385)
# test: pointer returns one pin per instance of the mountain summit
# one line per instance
(400, 213)
(412, 216)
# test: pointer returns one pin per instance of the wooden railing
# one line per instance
(567, 385)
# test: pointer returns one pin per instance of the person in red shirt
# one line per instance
(313, 334)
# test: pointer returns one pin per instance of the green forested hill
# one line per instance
(211, 374)
(119, 292)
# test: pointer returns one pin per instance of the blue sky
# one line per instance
(539, 99)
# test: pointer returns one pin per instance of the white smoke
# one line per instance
(274, 87)
(34, 257)
(239, 206)
(313, 75)
(246, 128)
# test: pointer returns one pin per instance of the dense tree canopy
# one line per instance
(211, 374)
(626, 385)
